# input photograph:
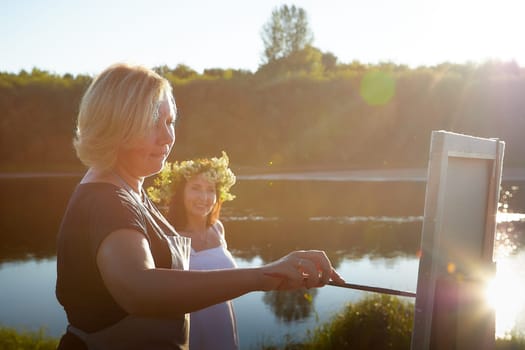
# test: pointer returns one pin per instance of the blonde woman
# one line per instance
(122, 270)
(194, 191)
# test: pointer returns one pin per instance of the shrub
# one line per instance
(376, 322)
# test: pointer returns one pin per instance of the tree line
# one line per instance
(287, 116)
(300, 109)
(294, 112)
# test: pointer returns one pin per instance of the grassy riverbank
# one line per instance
(11, 339)
(377, 322)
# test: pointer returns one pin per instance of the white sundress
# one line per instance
(213, 327)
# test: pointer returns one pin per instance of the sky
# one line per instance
(86, 36)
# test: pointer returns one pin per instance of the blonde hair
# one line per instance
(119, 106)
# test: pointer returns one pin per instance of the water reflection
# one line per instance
(290, 306)
(505, 292)
(375, 224)
(31, 212)
(267, 218)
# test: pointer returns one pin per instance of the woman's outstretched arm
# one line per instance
(126, 265)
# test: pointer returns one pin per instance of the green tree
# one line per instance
(307, 61)
(183, 71)
(287, 31)
(329, 61)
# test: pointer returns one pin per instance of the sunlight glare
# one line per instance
(477, 30)
(505, 294)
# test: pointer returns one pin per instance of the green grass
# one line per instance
(12, 339)
(375, 322)
(515, 342)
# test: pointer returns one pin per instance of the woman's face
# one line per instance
(148, 154)
(200, 196)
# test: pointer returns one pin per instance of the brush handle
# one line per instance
(373, 289)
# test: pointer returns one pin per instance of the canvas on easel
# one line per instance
(461, 200)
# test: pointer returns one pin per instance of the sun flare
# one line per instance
(505, 294)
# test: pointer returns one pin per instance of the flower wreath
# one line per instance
(214, 169)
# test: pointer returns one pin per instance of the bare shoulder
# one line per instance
(219, 227)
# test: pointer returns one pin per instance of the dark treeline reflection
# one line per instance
(31, 210)
(267, 219)
(348, 220)
(291, 306)
(271, 240)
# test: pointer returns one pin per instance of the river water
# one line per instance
(370, 230)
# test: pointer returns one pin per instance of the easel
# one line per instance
(461, 202)
(464, 176)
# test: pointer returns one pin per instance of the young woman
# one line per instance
(194, 192)
(122, 270)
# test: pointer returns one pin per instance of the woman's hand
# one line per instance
(299, 269)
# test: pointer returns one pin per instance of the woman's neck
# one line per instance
(196, 226)
(133, 182)
(115, 177)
